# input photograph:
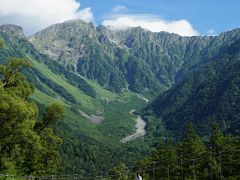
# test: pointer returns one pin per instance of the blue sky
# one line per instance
(204, 15)
(184, 17)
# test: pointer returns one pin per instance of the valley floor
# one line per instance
(140, 129)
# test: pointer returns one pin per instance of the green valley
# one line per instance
(85, 143)
(101, 76)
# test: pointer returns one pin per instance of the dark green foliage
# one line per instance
(167, 154)
(22, 149)
(140, 79)
(209, 92)
(224, 158)
(1, 44)
(50, 117)
(192, 151)
(53, 113)
(82, 150)
(119, 172)
(206, 73)
(12, 79)
(96, 66)
(192, 159)
(78, 157)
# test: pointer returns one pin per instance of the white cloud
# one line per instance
(211, 32)
(149, 22)
(119, 8)
(34, 15)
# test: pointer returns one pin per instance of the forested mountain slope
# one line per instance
(133, 59)
(97, 71)
(144, 62)
(85, 143)
(209, 93)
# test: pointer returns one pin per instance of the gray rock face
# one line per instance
(13, 30)
(62, 42)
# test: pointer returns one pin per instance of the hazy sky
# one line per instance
(184, 17)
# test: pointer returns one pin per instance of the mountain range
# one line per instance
(101, 72)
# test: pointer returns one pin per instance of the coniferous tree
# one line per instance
(165, 161)
(191, 159)
(222, 149)
(192, 153)
(237, 155)
(1, 44)
(120, 172)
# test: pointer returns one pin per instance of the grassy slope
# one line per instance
(82, 98)
(115, 107)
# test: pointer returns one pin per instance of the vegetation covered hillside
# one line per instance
(110, 59)
(27, 143)
(134, 59)
(95, 73)
(209, 93)
(86, 141)
(191, 158)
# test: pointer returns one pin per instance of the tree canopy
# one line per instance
(23, 149)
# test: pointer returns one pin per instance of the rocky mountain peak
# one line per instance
(12, 30)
